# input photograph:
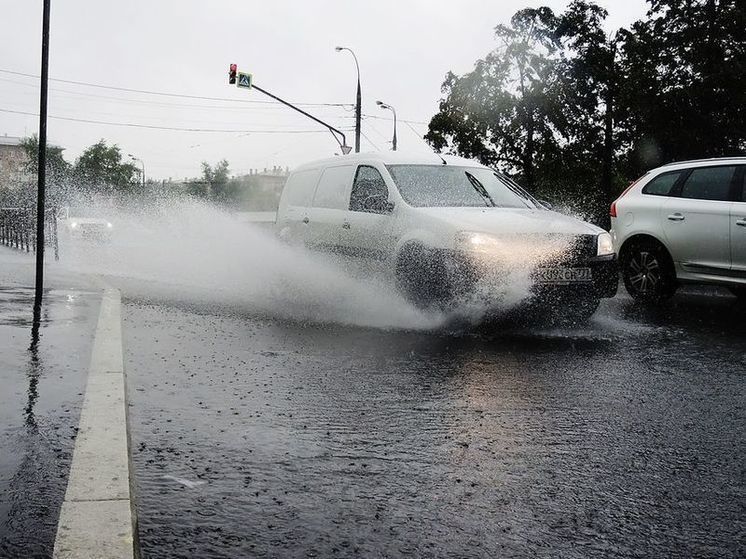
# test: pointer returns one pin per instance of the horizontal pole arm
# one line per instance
(301, 111)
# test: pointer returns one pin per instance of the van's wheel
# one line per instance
(581, 310)
(422, 277)
(648, 272)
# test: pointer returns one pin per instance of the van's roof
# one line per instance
(391, 158)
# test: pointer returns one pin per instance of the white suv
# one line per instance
(683, 223)
(444, 227)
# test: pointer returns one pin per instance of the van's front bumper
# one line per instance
(605, 271)
(467, 274)
(603, 284)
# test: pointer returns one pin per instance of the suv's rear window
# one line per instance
(662, 184)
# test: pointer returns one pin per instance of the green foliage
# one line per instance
(214, 184)
(56, 165)
(100, 167)
(500, 113)
(685, 77)
(576, 114)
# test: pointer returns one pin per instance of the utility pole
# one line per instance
(142, 177)
(358, 101)
(393, 110)
(42, 167)
(358, 114)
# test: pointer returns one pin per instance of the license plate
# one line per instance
(563, 275)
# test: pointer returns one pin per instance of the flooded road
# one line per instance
(42, 380)
(259, 437)
(304, 412)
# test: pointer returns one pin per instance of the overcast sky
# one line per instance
(405, 48)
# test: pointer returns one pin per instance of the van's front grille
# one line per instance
(581, 248)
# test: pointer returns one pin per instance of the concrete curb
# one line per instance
(97, 519)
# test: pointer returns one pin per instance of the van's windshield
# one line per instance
(431, 186)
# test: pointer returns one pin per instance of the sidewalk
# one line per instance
(41, 398)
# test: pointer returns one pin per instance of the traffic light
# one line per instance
(232, 74)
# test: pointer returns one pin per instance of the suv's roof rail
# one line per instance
(707, 160)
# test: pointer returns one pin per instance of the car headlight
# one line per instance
(477, 242)
(109, 225)
(605, 245)
(73, 225)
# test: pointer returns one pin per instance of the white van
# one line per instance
(440, 225)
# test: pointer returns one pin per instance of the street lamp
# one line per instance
(358, 105)
(143, 167)
(389, 107)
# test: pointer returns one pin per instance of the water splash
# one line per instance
(188, 250)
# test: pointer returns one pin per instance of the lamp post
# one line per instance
(41, 183)
(143, 168)
(358, 104)
(389, 107)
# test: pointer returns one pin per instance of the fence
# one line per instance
(18, 229)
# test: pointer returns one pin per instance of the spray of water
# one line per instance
(187, 250)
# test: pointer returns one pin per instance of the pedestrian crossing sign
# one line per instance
(244, 80)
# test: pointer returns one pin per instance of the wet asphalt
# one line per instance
(257, 437)
(42, 381)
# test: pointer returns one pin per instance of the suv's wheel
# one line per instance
(648, 272)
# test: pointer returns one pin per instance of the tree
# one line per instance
(100, 167)
(576, 114)
(216, 178)
(589, 74)
(501, 113)
(214, 184)
(57, 167)
(685, 81)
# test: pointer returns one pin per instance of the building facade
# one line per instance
(12, 160)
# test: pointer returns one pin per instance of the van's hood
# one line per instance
(511, 221)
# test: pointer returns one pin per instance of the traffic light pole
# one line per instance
(42, 167)
(343, 144)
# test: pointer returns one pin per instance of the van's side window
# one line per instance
(333, 187)
(299, 188)
(369, 192)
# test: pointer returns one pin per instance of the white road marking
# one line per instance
(96, 520)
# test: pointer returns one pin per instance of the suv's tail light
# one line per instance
(612, 209)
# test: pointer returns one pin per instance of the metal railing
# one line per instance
(18, 229)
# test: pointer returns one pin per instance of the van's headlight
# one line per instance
(605, 245)
(478, 242)
(109, 225)
(74, 224)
